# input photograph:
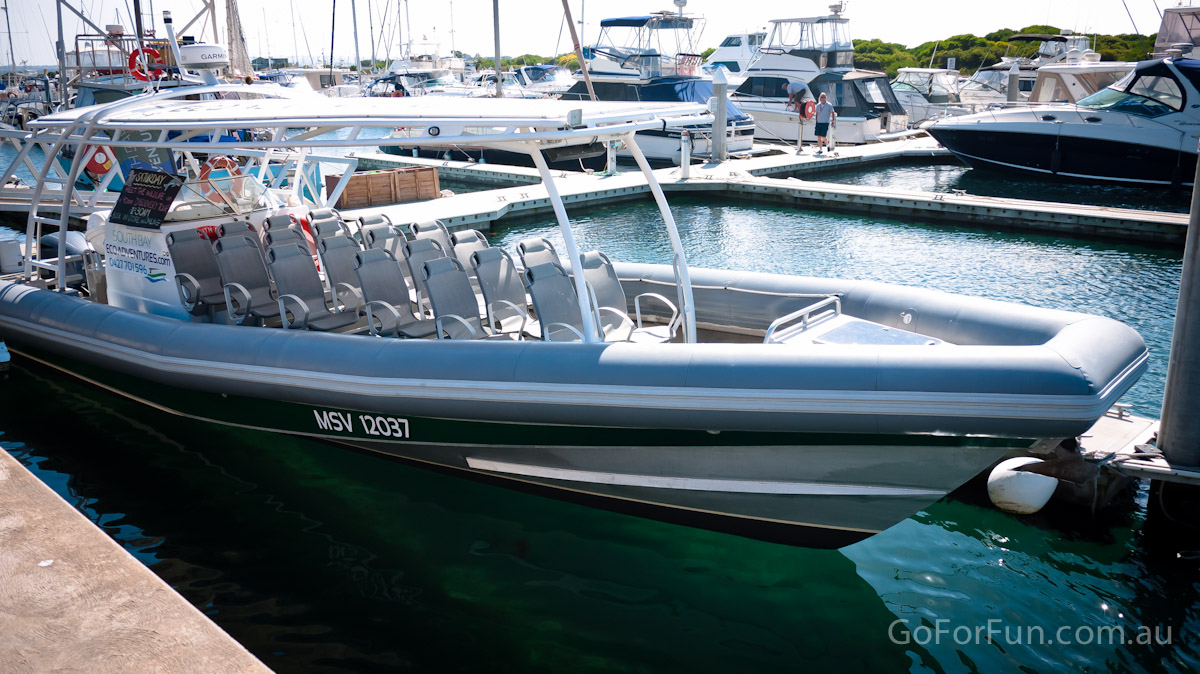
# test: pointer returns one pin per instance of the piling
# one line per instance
(720, 117)
(1179, 438)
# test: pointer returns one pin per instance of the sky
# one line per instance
(287, 28)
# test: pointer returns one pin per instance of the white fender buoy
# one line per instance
(1016, 491)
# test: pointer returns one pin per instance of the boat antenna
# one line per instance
(332, 26)
(1157, 9)
(452, 49)
(934, 54)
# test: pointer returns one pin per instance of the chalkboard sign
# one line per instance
(146, 199)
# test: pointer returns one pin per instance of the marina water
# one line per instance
(322, 559)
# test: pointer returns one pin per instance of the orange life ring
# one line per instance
(153, 58)
(207, 189)
(808, 110)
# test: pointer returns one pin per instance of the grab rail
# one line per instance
(803, 315)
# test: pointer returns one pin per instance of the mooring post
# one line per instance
(685, 155)
(720, 118)
(1014, 84)
(1179, 432)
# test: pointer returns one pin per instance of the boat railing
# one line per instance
(651, 64)
(803, 316)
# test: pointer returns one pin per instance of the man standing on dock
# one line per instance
(826, 117)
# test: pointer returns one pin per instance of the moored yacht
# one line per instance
(818, 53)
(734, 54)
(653, 58)
(802, 410)
(1139, 130)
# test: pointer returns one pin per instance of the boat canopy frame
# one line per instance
(528, 127)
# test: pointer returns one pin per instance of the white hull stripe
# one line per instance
(698, 484)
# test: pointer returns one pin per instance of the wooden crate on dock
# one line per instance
(392, 186)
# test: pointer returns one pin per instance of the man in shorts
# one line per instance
(826, 118)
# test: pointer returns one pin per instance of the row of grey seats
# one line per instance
(236, 274)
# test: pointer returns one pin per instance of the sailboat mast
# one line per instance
(137, 19)
(11, 54)
(371, 29)
(267, 37)
(496, 30)
(357, 58)
(332, 33)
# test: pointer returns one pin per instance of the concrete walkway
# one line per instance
(72, 600)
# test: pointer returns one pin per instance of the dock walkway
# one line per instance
(756, 179)
(73, 600)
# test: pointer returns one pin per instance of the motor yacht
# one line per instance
(1139, 130)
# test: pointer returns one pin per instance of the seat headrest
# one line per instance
(486, 255)
(421, 246)
(372, 256)
(277, 222)
(543, 271)
(442, 265)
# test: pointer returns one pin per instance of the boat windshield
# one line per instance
(1151, 92)
(220, 196)
(822, 35)
(987, 80)
(1179, 26)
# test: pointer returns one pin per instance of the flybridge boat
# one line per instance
(801, 410)
(1140, 130)
(653, 58)
(816, 52)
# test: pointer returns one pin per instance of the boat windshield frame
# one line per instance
(1150, 99)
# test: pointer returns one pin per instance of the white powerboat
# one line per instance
(818, 53)
(652, 58)
(801, 410)
(734, 54)
(927, 93)
(1140, 130)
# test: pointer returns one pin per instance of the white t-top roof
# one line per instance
(157, 112)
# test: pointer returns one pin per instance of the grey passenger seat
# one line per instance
(302, 302)
(198, 278)
(386, 300)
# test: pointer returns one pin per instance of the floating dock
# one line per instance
(760, 179)
(72, 599)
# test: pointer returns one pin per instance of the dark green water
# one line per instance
(320, 559)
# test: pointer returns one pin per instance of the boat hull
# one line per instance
(803, 489)
(818, 445)
(1069, 143)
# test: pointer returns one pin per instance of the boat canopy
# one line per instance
(1037, 37)
(654, 21)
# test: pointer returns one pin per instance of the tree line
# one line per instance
(971, 52)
